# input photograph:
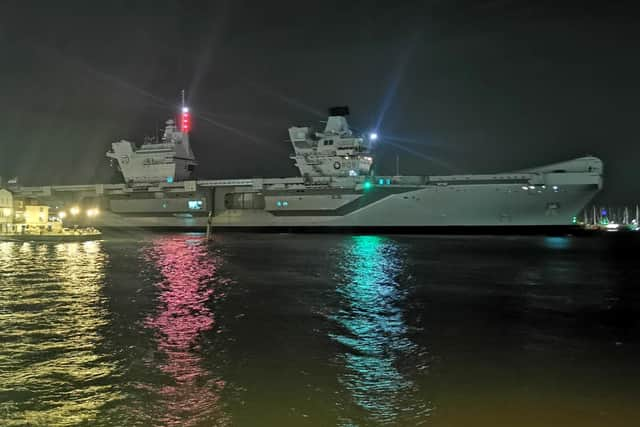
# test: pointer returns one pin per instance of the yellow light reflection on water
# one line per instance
(374, 332)
(51, 312)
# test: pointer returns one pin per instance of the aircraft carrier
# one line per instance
(336, 190)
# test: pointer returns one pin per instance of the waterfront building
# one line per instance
(6, 210)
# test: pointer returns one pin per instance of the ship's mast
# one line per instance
(625, 218)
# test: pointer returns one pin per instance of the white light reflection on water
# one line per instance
(51, 312)
(191, 393)
(373, 332)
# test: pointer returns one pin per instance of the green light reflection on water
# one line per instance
(373, 332)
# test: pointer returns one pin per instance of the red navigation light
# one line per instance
(185, 120)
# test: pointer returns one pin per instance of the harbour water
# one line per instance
(319, 330)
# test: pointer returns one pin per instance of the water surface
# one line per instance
(290, 330)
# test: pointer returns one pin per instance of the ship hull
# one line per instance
(460, 209)
(472, 206)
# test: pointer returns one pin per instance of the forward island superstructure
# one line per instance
(336, 190)
(169, 159)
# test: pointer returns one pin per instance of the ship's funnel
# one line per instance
(339, 111)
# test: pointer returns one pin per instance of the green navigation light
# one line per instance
(367, 185)
(574, 220)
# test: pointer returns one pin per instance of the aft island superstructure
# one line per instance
(336, 190)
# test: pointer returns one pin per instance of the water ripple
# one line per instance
(190, 394)
(51, 313)
(373, 334)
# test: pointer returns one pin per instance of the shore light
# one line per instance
(74, 210)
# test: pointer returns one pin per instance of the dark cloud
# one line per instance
(476, 86)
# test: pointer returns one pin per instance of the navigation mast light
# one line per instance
(373, 136)
(185, 117)
(185, 120)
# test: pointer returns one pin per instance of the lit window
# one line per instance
(195, 205)
(169, 179)
(381, 181)
(285, 203)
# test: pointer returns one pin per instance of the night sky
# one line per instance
(452, 86)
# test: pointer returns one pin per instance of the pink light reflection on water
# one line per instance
(190, 280)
